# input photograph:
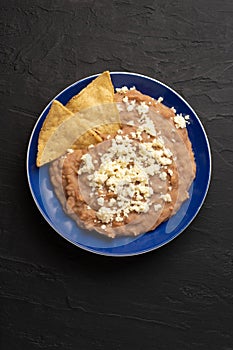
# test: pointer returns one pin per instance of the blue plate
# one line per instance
(51, 209)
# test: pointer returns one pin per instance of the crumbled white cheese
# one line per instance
(133, 134)
(105, 214)
(163, 176)
(170, 172)
(112, 202)
(166, 197)
(130, 108)
(157, 207)
(87, 166)
(142, 108)
(173, 110)
(70, 150)
(118, 139)
(148, 127)
(138, 135)
(119, 218)
(130, 105)
(119, 107)
(126, 183)
(124, 171)
(167, 152)
(122, 90)
(160, 99)
(179, 121)
(130, 123)
(165, 161)
(100, 201)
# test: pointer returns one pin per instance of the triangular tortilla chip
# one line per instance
(99, 91)
(56, 116)
(80, 130)
(90, 137)
(94, 113)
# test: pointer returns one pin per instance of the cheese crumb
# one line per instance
(166, 197)
(170, 172)
(148, 127)
(119, 107)
(163, 176)
(130, 108)
(160, 99)
(180, 122)
(112, 202)
(142, 108)
(88, 166)
(122, 90)
(173, 110)
(157, 207)
(130, 123)
(100, 201)
(125, 99)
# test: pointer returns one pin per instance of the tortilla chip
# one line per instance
(107, 129)
(94, 136)
(80, 130)
(99, 91)
(90, 137)
(56, 116)
(93, 113)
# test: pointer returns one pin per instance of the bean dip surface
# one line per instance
(129, 182)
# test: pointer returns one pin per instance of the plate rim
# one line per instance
(86, 248)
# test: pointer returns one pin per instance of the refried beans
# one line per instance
(132, 181)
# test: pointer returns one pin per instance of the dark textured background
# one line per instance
(56, 296)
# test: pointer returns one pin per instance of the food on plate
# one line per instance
(78, 124)
(126, 164)
(56, 116)
(99, 91)
(80, 130)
